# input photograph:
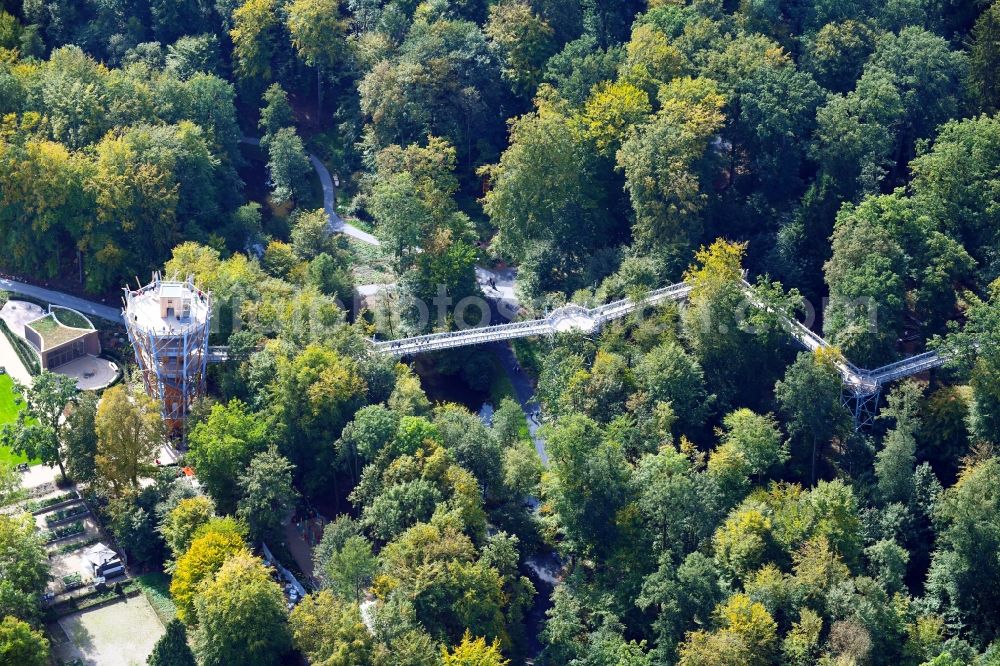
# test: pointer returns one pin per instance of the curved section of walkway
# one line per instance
(337, 223)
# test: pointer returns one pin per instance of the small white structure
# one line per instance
(100, 561)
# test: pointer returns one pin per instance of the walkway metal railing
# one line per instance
(582, 318)
(858, 380)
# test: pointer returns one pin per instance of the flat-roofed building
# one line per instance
(60, 336)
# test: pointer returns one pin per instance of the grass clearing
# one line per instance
(8, 414)
(371, 265)
(156, 587)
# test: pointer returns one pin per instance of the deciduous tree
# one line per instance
(242, 615)
(22, 645)
(253, 37)
(474, 652)
(319, 34)
(222, 446)
(180, 525)
(213, 544)
(129, 433)
(523, 40)
(24, 566)
(267, 494)
(809, 398)
(39, 430)
(330, 631)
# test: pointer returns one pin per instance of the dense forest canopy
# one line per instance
(706, 495)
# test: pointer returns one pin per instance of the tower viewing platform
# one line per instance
(168, 323)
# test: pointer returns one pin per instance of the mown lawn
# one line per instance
(8, 413)
(156, 587)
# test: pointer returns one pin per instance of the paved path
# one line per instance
(372, 289)
(65, 300)
(525, 394)
(10, 362)
(337, 224)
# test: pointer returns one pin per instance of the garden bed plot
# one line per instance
(65, 560)
(65, 514)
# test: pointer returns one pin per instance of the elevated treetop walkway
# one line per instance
(862, 387)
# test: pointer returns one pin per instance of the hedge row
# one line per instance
(24, 352)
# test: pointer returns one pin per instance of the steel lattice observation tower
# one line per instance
(168, 323)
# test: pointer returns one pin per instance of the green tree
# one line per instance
(433, 567)
(39, 430)
(287, 163)
(81, 439)
(586, 484)
(667, 374)
(24, 566)
(443, 81)
(545, 199)
(318, 390)
(523, 42)
(242, 615)
(311, 235)
(275, 114)
(969, 515)
(221, 447)
(580, 66)
(330, 631)
(976, 352)
(172, 648)
(468, 441)
(809, 400)
(319, 35)
(522, 469)
(733, 332)
(909, 86)
(331, 277)
(10, 485)
(755, 442)
(665, 163)
(866, 274)
(956, 181)
(129, 433)
(801, 645)
(22, 645)
(684, 596)
(895, 463)
(837, 54)
(193, 53)
(984, 58)
(349, 569)
(267, 494)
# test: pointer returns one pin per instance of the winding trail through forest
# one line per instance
(337, 223)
